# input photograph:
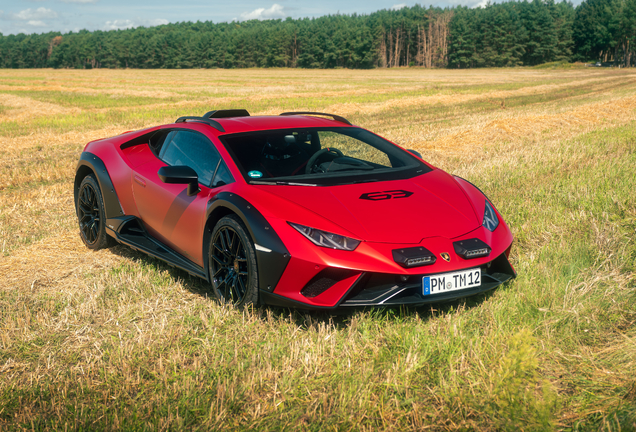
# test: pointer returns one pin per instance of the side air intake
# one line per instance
(325, 280)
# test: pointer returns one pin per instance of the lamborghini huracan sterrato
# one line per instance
(301, 209)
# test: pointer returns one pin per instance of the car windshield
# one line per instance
(319, 156)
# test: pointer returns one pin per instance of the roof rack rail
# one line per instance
(333, 116)
(226, 113)
(215, 124)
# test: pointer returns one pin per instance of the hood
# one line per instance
(398, 211)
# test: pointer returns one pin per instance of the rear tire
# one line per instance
(91, 215)
(232, 263)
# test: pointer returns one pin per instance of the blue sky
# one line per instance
(41, 16)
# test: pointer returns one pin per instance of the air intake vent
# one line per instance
(226, 113)
(471, 248)
(324, 280)
(413, 257)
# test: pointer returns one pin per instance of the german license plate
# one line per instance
(454, 281)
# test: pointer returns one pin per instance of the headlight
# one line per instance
(326, 239)
(490, 218)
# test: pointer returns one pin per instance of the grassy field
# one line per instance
(116, 340)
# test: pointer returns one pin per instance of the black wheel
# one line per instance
(233, 263)
(91, 215)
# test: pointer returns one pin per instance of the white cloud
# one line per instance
(37, 23)
(119, 25)
(79, 1)
(37, 14)
(156, 22)
(126, 24)
(398, 6)
(276, 11)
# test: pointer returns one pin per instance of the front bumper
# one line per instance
(322, 278)
(368, 289)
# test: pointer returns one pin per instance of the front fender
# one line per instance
(91, 163)
(272, 256)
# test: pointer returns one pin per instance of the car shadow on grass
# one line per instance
(192, 283)
(340, 318)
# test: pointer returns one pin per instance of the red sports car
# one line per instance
(301, 209)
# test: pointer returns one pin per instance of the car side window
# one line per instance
(222, 176)
(158, 139)
(191, 149)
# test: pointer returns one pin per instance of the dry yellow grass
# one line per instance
(111, 335)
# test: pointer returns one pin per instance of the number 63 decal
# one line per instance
(385, 195)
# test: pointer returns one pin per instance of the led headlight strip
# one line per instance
(326, 239)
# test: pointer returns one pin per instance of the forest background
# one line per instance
(514, 33)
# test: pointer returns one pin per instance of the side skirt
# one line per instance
(130, 231)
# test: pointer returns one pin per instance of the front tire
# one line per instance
(91, 215)
(232, 263)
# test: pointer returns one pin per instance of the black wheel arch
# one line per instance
(92, 164)
(272, 264)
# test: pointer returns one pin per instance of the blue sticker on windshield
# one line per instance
(255, 174)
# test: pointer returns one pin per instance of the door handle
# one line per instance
(141, 181)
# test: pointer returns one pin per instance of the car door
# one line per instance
(167, 211)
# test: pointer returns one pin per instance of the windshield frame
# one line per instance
(414, 166)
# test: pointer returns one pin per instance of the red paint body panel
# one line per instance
(436, 207)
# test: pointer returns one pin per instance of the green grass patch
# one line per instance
(87, 101)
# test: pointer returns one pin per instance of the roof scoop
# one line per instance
(226, 113)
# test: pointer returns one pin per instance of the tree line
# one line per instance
(514, 33)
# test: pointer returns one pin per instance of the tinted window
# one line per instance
(191, 149)
(320, 156)
(222, 176)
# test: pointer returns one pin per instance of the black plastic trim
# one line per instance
(333, 116)
(141, 139)
(463, 247)
(112, 207)
(387, 291)
(226, 113)
(404, 255)
(215, 124)
(272, 299)
(324, 280)
(129, 230)
(271, 265)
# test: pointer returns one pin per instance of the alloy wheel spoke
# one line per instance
(223, 243)
(236, 291)
(228, 265)
(221, 264)
(241, 285)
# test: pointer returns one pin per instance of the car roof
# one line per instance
(232, 125)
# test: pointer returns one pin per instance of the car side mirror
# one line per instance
(416, 153)
(180, 174)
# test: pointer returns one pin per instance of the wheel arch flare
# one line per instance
(272, 256)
